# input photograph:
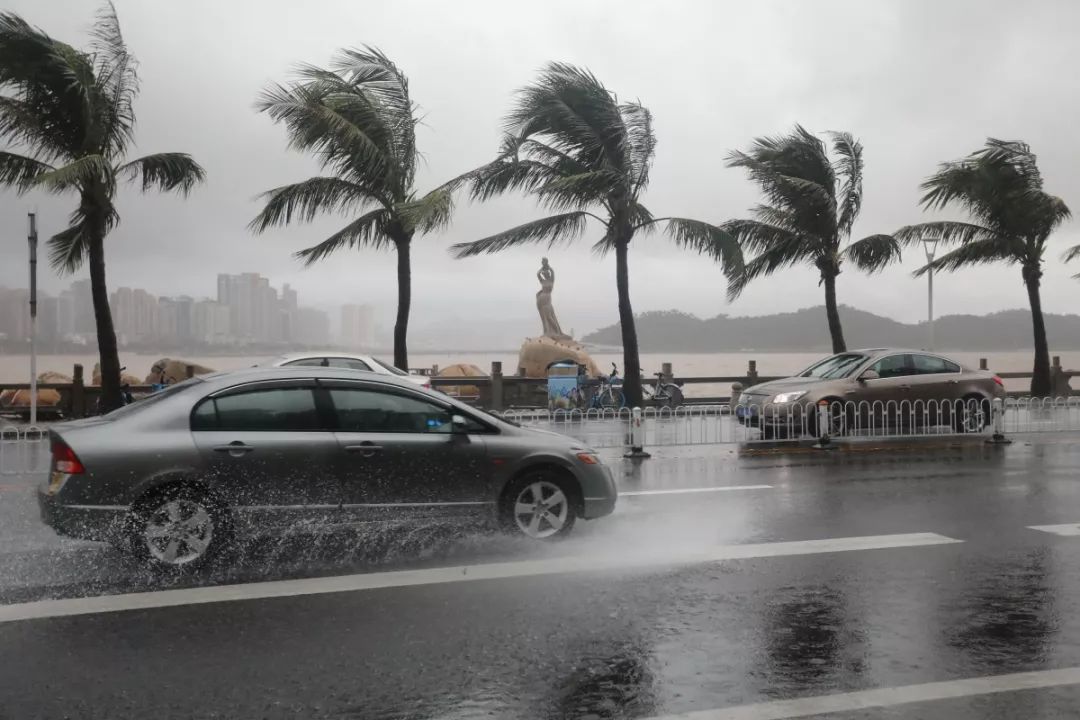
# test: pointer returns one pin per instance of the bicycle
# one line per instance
(609, 393)
(663, 394)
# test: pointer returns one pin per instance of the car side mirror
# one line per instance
(869, 375)
(459, 424)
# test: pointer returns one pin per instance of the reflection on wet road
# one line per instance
(932, 582)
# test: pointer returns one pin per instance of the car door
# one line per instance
(886, 401)
(268, 450)
(399, 457)
(936, 383)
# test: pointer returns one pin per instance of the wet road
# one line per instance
(846, 585)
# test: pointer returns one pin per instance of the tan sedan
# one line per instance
(873, 391)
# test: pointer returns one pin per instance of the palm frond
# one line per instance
(164, 171)
(709, 240)
(68, 248)
(84, 172)
(117, 83)
(368, 230)
(641, 143)
(307, 199)
(577, 191)
(20, 171)
(874, 253)
(506, 175)
(552, 230)
(975, 252)
(785, 252)
(850, 168)
(760, 236)
(947, 231)
(428, 213)
(1071, 254)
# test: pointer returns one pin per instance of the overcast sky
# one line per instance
(918, 81)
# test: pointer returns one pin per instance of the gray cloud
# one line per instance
(918, 81)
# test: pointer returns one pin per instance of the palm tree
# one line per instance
(358, 120)
(72, 115)
(571, 144)
(1012, 217)
(812, 204)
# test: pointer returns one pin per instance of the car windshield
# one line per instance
(389, 368)
(836, 366)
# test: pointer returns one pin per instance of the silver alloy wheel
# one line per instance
(541, 509)
(178, 531)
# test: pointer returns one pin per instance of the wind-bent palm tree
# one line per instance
(1012, 217)
(812, 204)
(357, 118)
(72, 115)
(574, 146)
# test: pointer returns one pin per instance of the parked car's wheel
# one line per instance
(178, 528)
(539, 505)
(971, 415)
(840, 419)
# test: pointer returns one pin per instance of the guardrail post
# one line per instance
(1059, 379)
(736, 392)
(751, 371)
(983, 365)
(667, 374)
(78, 392)
(997, 410)
(824, 441)
(637, 436)
(496, 385)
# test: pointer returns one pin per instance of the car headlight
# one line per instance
(788, 397)
(589, 458)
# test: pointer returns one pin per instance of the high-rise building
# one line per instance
(122, 303)
(168, 320)
(357, 326)
(15, 314)
(145, 326)
(83, 306)
(211, 323)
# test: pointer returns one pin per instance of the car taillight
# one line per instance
(426, 386)
(65, 460)
(999, 381)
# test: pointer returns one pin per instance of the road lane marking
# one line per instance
(1067, 530)
(886, 697)
(683, 491)
(461, 573)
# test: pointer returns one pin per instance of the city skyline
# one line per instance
(247, 310)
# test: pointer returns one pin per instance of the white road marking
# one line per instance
(886, 697)
(683, 491)
(1068, 530)
(461, 573)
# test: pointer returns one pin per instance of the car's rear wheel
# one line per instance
(539, 505)
(971, 415)
(179, 528)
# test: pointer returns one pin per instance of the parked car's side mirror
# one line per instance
(869, 375)
(459, 424)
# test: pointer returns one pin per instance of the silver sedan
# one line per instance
(176, 476)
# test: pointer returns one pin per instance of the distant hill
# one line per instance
(807, 330)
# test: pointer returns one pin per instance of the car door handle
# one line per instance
(904, 387)
(366, 449)
(236, 448)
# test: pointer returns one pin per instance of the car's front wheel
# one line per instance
(539, 505)
(179, 528)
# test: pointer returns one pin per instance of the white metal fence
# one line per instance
(26, 449)
(797, 422)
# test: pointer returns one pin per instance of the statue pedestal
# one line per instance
(537, 353)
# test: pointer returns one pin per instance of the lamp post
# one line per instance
(930, 248)
(32, 239)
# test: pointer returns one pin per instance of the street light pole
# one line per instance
(930, 248)
(32, 239)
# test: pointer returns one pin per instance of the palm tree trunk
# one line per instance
(108, 354)
(404, 291)
(631, 360)
(832, 313)
(1040, 374)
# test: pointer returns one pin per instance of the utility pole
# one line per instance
(32, 239)
(930, 248)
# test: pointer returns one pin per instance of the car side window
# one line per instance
(892, 366)
(348, 363)
(361, 410)
(308, 362)
(269, 410)
(930, 365)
